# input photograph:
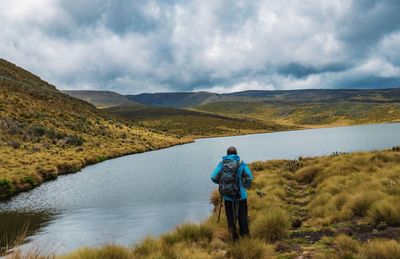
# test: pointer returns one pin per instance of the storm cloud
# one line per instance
(221, 46)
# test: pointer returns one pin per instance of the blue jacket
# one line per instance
(243, 169)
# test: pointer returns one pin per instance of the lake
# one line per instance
(125, 199)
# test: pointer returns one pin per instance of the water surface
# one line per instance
(124, 199)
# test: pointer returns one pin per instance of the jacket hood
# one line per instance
(231, 157)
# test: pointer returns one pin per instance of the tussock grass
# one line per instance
(346, 246)
(298, 210)
(147, 247)
(354, 185)
(32, 254)
(360, 204)
(272, 225)
(307, 174)
(251, 249)
(386, 211)
(189, 233)
(381, 249)
(215, 198)
(105, 252)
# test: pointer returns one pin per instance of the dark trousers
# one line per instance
(237, 211)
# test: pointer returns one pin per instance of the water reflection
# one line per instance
(16, 224)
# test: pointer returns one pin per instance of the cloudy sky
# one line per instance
(221, 46)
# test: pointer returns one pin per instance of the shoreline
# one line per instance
(186, 140)
(6, 198)
(300, 129)
(210, 231)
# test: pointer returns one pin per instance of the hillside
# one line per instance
(204, 114)
(189, 123)
(337, 206)
(189, 99)
(309, 115)
(322, 95)
(44, 133)
(100, 99)
(174, 99)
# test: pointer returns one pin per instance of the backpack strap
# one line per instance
(239, 164)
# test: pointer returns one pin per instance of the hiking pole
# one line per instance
(219, 211)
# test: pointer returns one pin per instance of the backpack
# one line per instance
(228, 180)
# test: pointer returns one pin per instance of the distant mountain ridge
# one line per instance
(192, 99)
(189, 99)
(100, 99)
(173, 99)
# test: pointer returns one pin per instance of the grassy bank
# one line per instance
(230, 118)
(45, 133)
(190, 123)
(337, 206)
(309, 115)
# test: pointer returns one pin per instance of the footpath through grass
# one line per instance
(337, 206)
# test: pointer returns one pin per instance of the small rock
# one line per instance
(296, 224)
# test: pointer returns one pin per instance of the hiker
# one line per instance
(234, 176)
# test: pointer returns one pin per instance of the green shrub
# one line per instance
(6, 188)
(5, 183)
(37, 130)
(271, 226)
(31, 180)
(251, 249)
(387, 211)
(381, 249)
(74, 140)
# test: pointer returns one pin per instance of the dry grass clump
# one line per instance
(386, 211)
(251, 249)
(32, 254)
(358, 185)
(104, 252)
(147, 247)
(360, 204)
(346, 246)
(381, 249)
(215, 198)
(194, 233)
(272, 225)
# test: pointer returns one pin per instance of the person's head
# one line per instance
(231, 151)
